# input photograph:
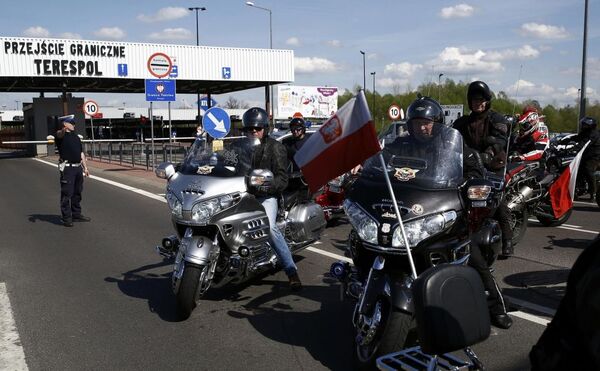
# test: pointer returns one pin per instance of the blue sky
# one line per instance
(533, 45)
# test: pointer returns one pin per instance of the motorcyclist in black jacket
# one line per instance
(271, 155)
(425, 121)
(590, 160)
(486, 132)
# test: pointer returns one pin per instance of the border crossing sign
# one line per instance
(160, 65)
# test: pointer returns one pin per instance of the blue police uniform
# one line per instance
(71, 175)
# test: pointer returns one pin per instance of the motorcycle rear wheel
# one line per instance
(188, 293)
(518, 225)
(553, 222)
(395, 332)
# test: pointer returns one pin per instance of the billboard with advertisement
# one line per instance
(310, 101)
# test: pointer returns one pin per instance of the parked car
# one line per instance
(394, 130)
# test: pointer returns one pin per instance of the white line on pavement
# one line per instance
(323, 252)
(530, 317)
(12, 356)
(569, 227)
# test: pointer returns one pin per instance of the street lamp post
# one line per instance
(364, 71)
(439, 85)
(269, 87)
(582, 102)
(373, 103)
(196, 9)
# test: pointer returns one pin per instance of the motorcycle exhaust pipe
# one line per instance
(521, 198)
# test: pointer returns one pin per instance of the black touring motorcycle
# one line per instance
(442, 216)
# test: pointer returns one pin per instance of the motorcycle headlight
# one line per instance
(174, 204)
(203, 211)
(364, 225)
(420, 229)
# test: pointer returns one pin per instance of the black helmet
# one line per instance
(479, 89)
(424, 108)
(255, 117)
(297, 122)
(588, 123)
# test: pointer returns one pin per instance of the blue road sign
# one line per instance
(216, 122)
(122, 69)
(226, 72)
(174, 72)
(204, 103)
(158, 90)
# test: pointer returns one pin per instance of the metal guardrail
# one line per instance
(127, 152)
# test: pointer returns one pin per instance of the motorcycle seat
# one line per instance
(450, 308)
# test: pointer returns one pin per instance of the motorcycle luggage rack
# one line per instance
(414, 359)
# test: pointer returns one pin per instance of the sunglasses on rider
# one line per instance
(253, 130)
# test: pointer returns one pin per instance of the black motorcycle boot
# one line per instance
(502, 321)
(295, 283)
(507, 248)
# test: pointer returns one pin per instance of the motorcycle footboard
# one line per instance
(415, 359)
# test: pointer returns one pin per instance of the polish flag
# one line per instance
(562, 191)
(344, 141)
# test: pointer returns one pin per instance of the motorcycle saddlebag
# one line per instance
(450, 308)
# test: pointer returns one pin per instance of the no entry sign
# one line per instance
(160, 65)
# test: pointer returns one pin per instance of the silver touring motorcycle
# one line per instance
(222, 231)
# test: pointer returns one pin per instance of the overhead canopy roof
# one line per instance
(54, 65)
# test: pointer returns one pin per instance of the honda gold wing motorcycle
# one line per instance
(442, 216)
(222, 231)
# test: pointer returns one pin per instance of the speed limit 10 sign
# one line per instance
(91, 108)
(394, 112)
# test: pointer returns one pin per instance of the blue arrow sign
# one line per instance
(216, 122)
(122, 67)
(174, 72)
(204, 103)
(158, 90)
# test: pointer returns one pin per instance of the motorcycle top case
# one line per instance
(450, 308)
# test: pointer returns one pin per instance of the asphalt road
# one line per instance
(97, 296)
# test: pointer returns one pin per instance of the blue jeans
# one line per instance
(277, 240)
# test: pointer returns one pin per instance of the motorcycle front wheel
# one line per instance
(189, 293)
(554, 222)
(394, 333)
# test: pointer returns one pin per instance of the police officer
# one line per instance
(73, 167)
(486, 132)
(271, 155)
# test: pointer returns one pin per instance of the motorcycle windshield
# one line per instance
(232, 158)
(436, 164)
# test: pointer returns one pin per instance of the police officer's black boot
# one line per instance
(507, 248)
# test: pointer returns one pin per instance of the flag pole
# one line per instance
(401, 225)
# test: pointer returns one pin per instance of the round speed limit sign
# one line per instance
(394, 112)
(91, 108)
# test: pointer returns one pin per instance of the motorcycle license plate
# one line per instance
(478, 204)
(335, 189)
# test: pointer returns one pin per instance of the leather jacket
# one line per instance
(271, 155)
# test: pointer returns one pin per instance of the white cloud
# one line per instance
(371, 56)
(456, 60)
(293, 41)
(110, 33)
(165, 14)
(334, 43)
(546, 94)
(172, 34)
(402, 69)
(36, 31)
(457, 11)
(573, 93)
(69, 35)
(524, 52)
(543, 31)
(387, 82)
(314, 64)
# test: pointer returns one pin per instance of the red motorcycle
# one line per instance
(332, 198)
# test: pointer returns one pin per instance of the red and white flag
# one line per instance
(562, 191)
(344, 141)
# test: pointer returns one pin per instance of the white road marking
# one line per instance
(520, 314)
(569, 227)
(116, 184)
(12, 356)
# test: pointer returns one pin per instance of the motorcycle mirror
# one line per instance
(165, 170)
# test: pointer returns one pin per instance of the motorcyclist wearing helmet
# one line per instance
(532, 140)
(425, 121)
(590, 160)
(271, 155)
(296, 141)
(486, 132)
